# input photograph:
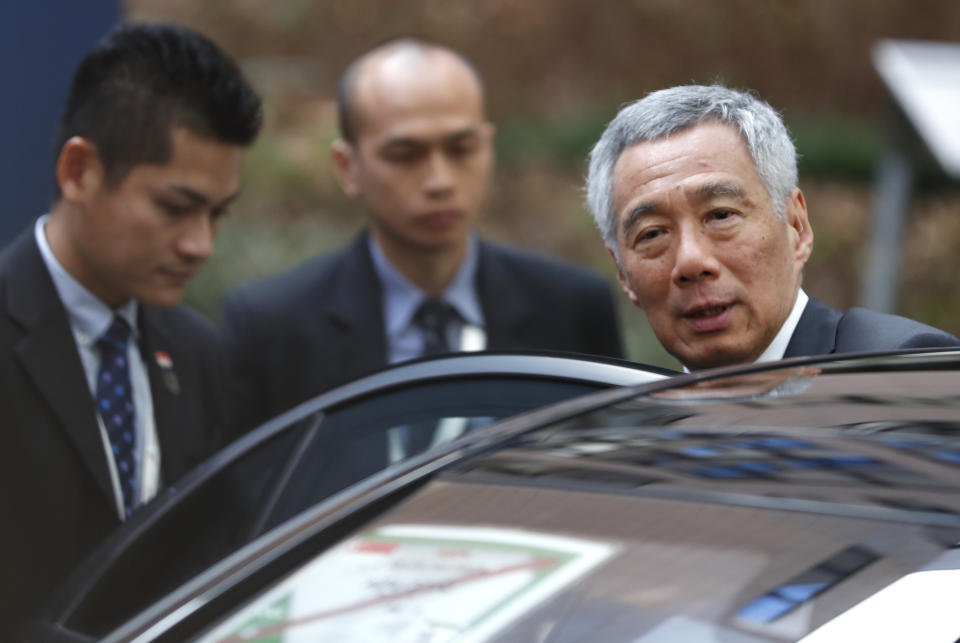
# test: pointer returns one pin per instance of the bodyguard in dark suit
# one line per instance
(416, 150)
(108, 389)
(694, 189)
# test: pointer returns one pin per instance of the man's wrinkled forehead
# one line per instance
(720, 169)
(736, 148)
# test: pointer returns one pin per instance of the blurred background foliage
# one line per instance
(556, 72)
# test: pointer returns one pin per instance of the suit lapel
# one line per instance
(506, 311)
(160, 358)
(48, 353)
(352, 301)
(816, 332)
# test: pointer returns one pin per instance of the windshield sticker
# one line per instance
(429, 584)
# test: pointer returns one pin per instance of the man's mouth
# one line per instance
(178, 276)
(707, 312)
(441, 218)
(708, 319)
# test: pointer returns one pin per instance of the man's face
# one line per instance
(422, 156)
(146, 237)
(702, 250)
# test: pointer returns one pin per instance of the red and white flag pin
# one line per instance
(166, 371)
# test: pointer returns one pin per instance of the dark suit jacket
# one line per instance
(823, 330)
(298, 334)
(56, 500)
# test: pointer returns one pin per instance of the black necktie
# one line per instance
(434, 318)
(115, 405)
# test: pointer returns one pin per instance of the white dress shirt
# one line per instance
(89, 319)
(778, 346)
(406, 340)
(401, 299)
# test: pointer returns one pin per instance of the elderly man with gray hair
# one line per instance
(694, 189)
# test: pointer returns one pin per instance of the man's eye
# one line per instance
(404, 155)
(175, 209)
(721, 215)
(647, 235)
(460, 150)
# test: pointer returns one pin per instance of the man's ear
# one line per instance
(799, 227)
(79, 171)
(622, 280)
(344, 157)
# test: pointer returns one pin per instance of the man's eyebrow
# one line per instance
(466, 132)
(200, 198)
(189, 193)
(636, 213)
(457, 135)
(402, 141)
(718, 188)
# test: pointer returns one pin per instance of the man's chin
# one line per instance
(166, 298)
(714, 356)
(441, 243)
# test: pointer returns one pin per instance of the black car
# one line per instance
(329, 443)
(813, 499)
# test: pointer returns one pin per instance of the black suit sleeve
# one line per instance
(865, 330)
(602, 333)
(533, 302)
(245, 371)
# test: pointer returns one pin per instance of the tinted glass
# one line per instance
(214, 519)
(364, 436)
(301, 466)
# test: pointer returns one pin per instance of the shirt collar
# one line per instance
(89, 317)
(401, 298)
(778, 346)
(462, 291)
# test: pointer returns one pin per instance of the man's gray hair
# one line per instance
(664, 112)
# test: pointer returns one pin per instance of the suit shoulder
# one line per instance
(183, 322)
(863, 329)
(5, 254)
(15, 252)
(533, 266)
(277, 290)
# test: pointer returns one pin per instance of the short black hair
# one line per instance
(140, 81)
(346, 117)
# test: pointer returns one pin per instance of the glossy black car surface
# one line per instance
(811, 500)
(315, 450)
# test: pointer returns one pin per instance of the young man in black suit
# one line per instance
(695, 191)
(416, 150)
(108, 389)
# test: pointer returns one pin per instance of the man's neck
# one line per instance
(65, 252)
(431, 270)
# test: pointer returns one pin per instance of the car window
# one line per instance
(211, 520)
(322, 453)
(363, 437)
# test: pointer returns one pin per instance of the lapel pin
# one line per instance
(167, 374)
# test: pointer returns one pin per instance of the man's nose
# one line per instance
(439, 180)
(695, 258)
(196, 241)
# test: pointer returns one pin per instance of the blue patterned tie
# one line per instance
(115, 405)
